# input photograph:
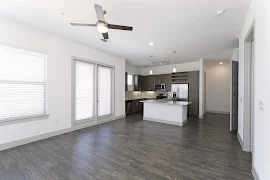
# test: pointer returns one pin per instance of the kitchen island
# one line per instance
(164, 111)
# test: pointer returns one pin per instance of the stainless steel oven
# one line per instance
(159, 87)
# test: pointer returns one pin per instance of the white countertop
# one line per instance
(166, 102)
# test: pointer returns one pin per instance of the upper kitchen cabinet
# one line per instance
(144, 83)
(159, 79)
(193, 80)
(126, 79)
(148, 83)
(168, 81)
(138, 83)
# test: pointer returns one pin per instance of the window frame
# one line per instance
(27, 118)
(130, 77)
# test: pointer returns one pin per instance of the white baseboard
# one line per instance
(217, 112)
(200, 116)
(240, 140)
(165, 122)
(255, 174)
(119, 117)
(48, 135)
(242, 143)
(33, 139)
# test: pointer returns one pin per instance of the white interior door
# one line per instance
(104, 92)
(84, 91)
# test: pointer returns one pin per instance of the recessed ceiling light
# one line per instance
(221, 63)
(220, 12)
(174, 51)
(151, 72)
(151, 43)
(152, 56)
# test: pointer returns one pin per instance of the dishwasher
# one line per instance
(129, 107)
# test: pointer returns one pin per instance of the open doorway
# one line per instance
(234, 96)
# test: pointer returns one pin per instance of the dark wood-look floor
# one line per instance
(130, 149)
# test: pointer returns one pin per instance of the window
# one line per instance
(22, 83)
(130, 77)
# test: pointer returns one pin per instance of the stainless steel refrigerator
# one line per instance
(179, 92)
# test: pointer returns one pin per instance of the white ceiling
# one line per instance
(189, 27)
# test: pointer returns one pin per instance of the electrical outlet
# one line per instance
(261, 105)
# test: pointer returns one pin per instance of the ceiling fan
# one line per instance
(101, 25)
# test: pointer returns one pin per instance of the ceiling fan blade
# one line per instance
(113, 26)
(81, 24)
(99, 12)
(105, 35)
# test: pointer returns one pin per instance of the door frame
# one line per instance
(248, 115)
(78, 125)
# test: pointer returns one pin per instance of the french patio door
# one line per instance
(93, 92)
(104, 92)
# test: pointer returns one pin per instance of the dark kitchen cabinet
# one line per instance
(144, 83)
(138, 83)
(136, 106)
(159, 79)
(167, 81)
(193, 108)
(126, 85)
(151, 83)
(148, 83)
(193, 80)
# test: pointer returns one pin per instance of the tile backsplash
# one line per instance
(142, 94)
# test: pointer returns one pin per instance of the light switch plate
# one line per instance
(261, 105)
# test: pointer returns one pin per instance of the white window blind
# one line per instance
(104, 91)
(84, 89)
(22, 83)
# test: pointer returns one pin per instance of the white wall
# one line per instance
(59, 52)
(261, 151)
(259, 11)
(218, 86)
(247, 24)
(235, 56)
(202, 89)
(133, 69)
(167, 69)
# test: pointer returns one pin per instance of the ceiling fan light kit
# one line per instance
(101, 25)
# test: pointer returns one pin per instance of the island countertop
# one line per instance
(166, 102)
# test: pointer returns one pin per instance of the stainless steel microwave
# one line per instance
(159, 87)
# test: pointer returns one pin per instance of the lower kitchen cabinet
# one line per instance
(136, 106)
(194, 107)
(133, 106)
